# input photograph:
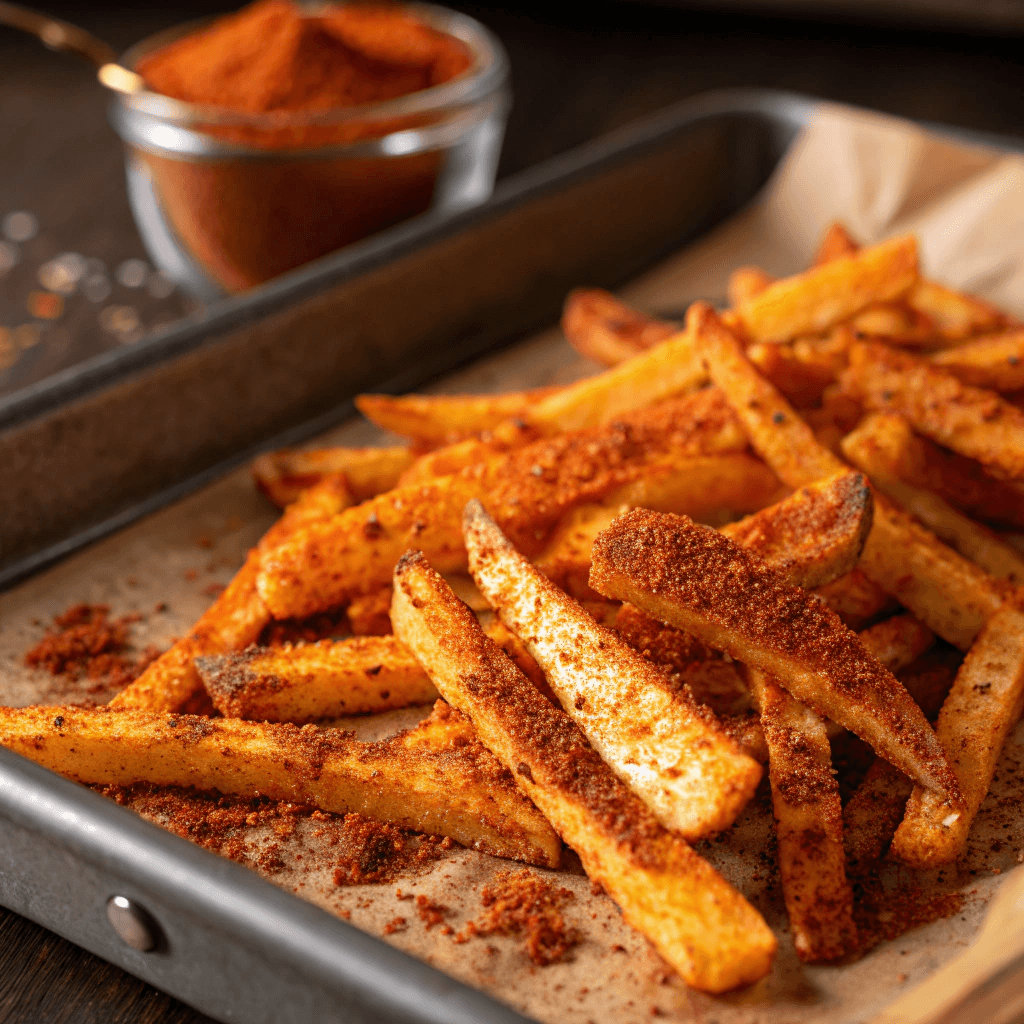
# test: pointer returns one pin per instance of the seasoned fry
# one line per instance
(746, 283)
(866, 448)
(898, 642)
(804, 369)
(608, 331)
(819, 299)
(809, 824)
(368, 614)
(813, 536)
(856, 599)
(329, 563)
(668, 752)
(972, 421)
(436, 778)
(984, 704)
(322, 680)
(955, 315)
(700, 924)
(283, 475)
(995, 362)
(836, 244)
(698, 580)
(431, 420)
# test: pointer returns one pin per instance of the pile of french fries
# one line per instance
(630, 594)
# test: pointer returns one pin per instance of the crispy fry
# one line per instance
(698, 580)
(530, 490)
(813, 536)
(836, 244)
(782, 439)
(975, 422)
(699, 923)
(368, 615)
(746, 283)
(866, 448)
(669, 753)
(955, 315)
(804, 369)
(828, 294)
(995, 362)
(809, 824)
(435, 778)
(283, 475)
(984, 704)
(608, 331)
(322, 680)
(431, 420)
(236, 618)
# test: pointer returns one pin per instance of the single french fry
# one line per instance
(972, 421)
(328, 564)
(236, 618)
(746, 283)
(814, 536)
(602, 328)
(437, 778)
(943, 589)
(665, 749)
(995, 361)
(837, 243)
(777, 433)
(808, 823)
(431, 420)
(866, 447)
(699, 924)
(826, 295)
(955, 315)
(322, 680)
(984, 704)
(283, 475)
(698, 580)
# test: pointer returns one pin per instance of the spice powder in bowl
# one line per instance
(280, 133)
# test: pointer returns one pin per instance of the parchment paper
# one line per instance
(881, 176)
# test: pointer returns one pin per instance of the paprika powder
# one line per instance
(290, 103)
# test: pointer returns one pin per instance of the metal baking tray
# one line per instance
(111, 440)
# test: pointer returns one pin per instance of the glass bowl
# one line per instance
(225, 201)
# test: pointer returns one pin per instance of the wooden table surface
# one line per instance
(572, 81)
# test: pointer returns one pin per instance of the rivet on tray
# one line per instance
(132, 924)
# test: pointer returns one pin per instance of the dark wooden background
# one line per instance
(573, 80)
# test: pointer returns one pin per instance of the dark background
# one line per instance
(573, 80)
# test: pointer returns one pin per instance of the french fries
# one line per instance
(699, 924)
(328, 679)
(283, 475)
(698, 580)
(670, 754)
(329, 563)
(436, 778)
(608, 331)
(746, 283)
(866, 448)
(984, 704)
(809, 823)
(830, 293)
(995, 362)
(972, 421)
(432, 420)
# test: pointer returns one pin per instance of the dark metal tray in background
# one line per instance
(113, 439)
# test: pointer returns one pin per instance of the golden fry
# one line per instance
(837, 243)
(436, 778)
(602, 328)
(746, 283)
(986, 700)
(668, 752)
(699, 924)
(328, 679)
(995, 362)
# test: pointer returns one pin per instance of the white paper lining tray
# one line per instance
(125, 436)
